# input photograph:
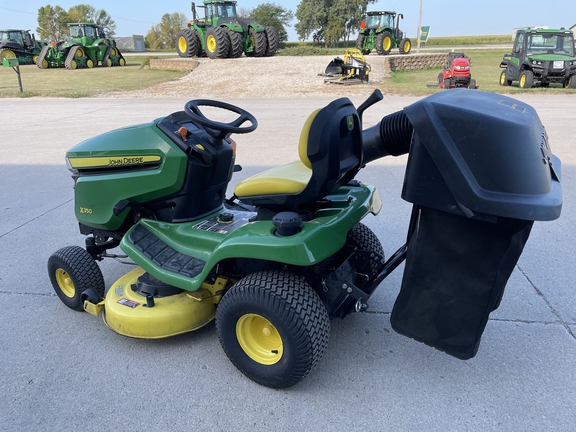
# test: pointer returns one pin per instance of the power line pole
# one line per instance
(419, 32)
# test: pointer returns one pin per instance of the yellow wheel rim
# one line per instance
(79, 53)
(89, 64)
(113, 51)
(502, 77)
(65, 283)
(35, 59)
(73, 65)
(108, 62)
(45, 64)
(182, 44)
(211, 43)
(387, 44)
(259, 339)
(7, 54)
(122, 62)
(522, 80)
(406, 46)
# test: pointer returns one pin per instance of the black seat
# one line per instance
(330, 150)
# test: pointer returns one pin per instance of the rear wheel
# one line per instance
(526, 79)
(405, 46)
(446, 83)
(364, 239)
(6, 54)
(384, 43)
(258, 43)
(72, 271)
(273, 327)
(504, 81)
(187, 43)
(360, 42)
(217, 43)
(272, 41)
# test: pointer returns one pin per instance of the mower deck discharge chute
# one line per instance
(288, 250)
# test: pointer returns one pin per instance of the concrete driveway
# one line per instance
(65, 371)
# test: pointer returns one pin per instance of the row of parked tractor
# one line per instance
(86, 47)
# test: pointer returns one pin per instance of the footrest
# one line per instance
(163, 255)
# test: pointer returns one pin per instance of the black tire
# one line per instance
(526, 79)
(364, 238)
(106, 62)
(405, 46)
(217, 43)
(72, 271)
(571, 82)
(236, 45)
(42, 63)
(446, 84)
(384, 43)
(440, 78)
(187, 43)
(472, 84)
(273, 327)
(504, 81)
(258, 42)
(360, 42)
(272, 43)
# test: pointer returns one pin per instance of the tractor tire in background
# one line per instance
(405, 46)
(258, 42)
(504, 81)
(42, 63)
(273, 327)
(70, 62)
(6, 53)
(236, 45)
(526, 79)
(106, 61)
(384, 43)
(73, 271)
(360, 42)
(217, 43)
(272, 42)
(187, 43)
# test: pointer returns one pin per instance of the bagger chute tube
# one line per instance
(287, 251)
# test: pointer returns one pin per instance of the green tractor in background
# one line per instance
(221, 34)
(20, 44)
(380, 31)
(86, 47)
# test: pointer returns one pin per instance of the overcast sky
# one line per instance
(446, 18)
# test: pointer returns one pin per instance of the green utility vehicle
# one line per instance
(86, 47)
(20, 44)
(540, 56)
(222, 34)
(381, 31)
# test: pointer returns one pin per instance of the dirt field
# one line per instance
(267, 77)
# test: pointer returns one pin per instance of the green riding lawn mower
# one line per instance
(380, 31)
(288, 251)
(222, 34)
(87, 47)
(20, 44)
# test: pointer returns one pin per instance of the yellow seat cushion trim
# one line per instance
(287, 179)
(303, 143)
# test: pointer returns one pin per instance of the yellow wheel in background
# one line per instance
(7, 54)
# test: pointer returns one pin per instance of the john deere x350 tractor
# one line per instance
(87, 47)
(380, 31)
(288, 251)
(222, 34)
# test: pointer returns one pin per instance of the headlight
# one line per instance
(461, 67)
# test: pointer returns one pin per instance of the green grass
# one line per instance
(61, 82)
(485, 69)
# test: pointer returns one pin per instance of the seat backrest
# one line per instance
(331, 146)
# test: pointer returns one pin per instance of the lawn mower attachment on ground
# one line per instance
(353, 69)
(288, 250)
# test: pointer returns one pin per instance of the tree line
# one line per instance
(327, 22)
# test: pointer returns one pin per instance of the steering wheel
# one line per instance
(219, 130)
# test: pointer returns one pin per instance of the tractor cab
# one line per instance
(221, 10)
(12, 36)
(85, 30)
(375, 20)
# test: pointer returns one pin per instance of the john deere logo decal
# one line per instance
(350, 121)
(117, 161)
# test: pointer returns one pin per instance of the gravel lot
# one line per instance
(266, 77)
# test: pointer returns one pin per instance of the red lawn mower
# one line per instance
(456, 72)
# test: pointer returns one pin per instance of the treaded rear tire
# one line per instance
(259, 42)
(298, 320)
(236, 45)
(526, 79)
(272, 41)
(70, 63)
(187, 43)
(384, 43)
(72, 271)
(42, 63)
(217, 43)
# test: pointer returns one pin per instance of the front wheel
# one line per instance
(526, 79)
(384, 43)
(504, 81)
(446, 83)
(73, 271)
(273, 327)
(405, 46)
(570, 82)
